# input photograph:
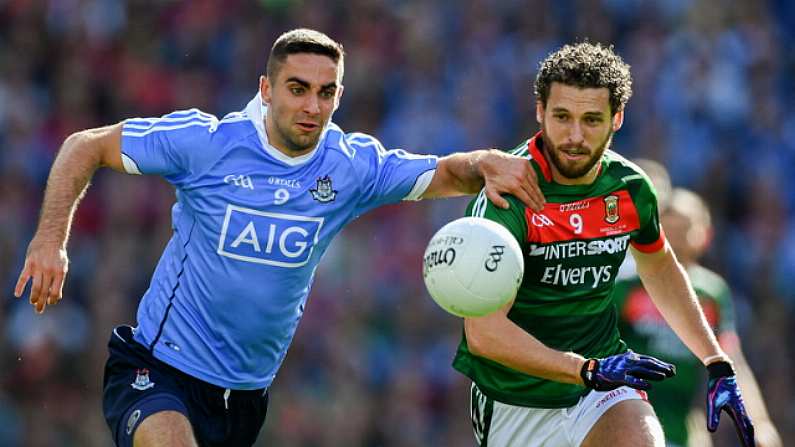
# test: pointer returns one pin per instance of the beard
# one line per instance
(293, 140)
(574, 169)
(297, 142)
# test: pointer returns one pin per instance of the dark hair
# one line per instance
(303, 40)
(586, 65)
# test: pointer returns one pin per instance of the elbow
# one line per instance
(477, 341)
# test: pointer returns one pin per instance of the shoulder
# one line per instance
(620, 167)
(190, 125)
(360, 149)
(357, 144)
(522, 150)
(627, 173)
(190, 121)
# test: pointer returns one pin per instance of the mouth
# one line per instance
(307, 126)
(574, 154)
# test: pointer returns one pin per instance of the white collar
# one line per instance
(256, 111)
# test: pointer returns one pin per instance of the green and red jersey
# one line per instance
(572, 252)
(644, 330)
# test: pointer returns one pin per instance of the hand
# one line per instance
(724, 394)
(628, 369)
(508, 174)
(46, 263)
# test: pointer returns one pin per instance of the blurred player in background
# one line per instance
(687, 224)
(260, 195)
(550, 367)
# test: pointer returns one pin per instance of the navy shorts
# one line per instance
(137, 385)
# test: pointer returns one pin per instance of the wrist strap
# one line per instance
(713, 358)
(720, 369)
(588, 369)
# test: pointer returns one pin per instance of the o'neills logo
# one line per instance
(611, 209)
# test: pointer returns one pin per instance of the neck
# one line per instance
(585, 179)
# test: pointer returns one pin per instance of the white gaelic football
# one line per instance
(472, 267)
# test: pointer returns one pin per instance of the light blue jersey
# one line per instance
(250, 226)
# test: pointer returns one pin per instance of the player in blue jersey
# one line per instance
(260, 195)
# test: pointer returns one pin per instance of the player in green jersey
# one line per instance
(550, 369)
(687, 223)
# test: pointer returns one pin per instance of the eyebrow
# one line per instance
(305, 84)
(588, 113)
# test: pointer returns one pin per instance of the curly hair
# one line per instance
(586, 65)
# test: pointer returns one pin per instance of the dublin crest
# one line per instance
(142, 381)
(323, 192)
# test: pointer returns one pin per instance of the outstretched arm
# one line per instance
(46, 262)
(501, 173)
(670, 289)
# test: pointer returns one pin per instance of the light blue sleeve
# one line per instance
(388, 176)
(170, 146)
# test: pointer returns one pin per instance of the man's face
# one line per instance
(577, 128)
(687, 236)
(305, 92)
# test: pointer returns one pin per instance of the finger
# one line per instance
(535, 189)
(525, 198)
(743, 425)
(531, 197)
(60, 286)
(55, 289)
(497, 199)
(647, 373)
(667, 368)
(22, 282)
(713, 414)
(638, 384)
(35, 288)
(44, 294)
(537, 197)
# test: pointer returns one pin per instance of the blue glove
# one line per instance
(724, 394)
(628, 369)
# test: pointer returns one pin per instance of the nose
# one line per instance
(311, 105)
(576, 136)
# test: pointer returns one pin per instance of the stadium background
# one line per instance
(370, 363)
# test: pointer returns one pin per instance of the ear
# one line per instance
(618, 120)
(539, 112)
(265, 89)
(340, 90)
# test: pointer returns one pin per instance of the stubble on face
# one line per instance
(301, 100)
(571, 169)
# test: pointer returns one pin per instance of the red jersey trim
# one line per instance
(653, 247)
(591, 218)
(538, 157)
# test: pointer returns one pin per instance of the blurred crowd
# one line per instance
(370, 365)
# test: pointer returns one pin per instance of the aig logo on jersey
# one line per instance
(260, 237)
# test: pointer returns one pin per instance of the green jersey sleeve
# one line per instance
(513, 218)
(649, 236)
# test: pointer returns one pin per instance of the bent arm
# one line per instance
(500, 173)
(80, 155)
(670, 290)
(46, 262)
(497, 338)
